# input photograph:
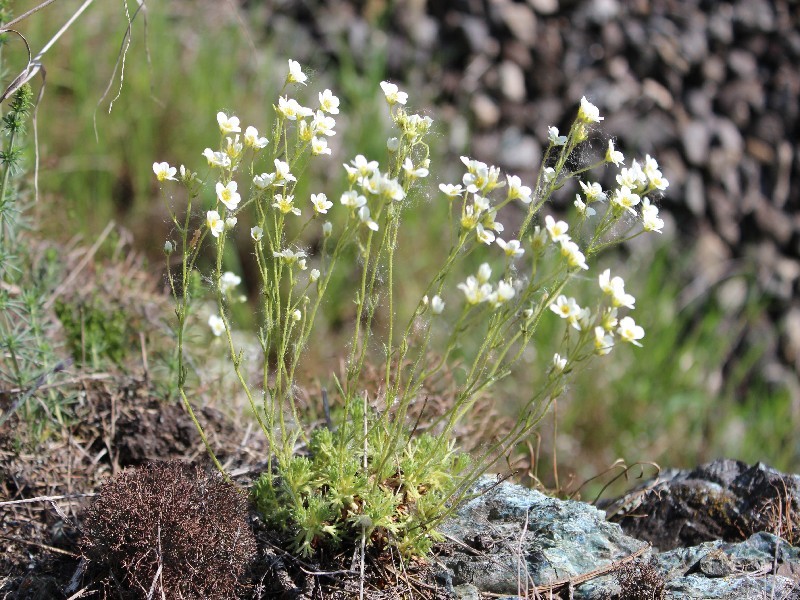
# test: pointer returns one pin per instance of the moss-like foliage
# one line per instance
(168, 530)
(95, 332)
(331, 499)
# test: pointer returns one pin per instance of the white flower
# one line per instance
(556, 229)
(264, 180)
(228, 124)
(296, 315)
(322, 124)
(304, 130)
(437, 305)
(217, 159)
(469, 218)
(559, 363)
(291, 109)
(233, 147)
(321, 203)
(583, 320)
(448, 189)
(481, 203)
(216, 324)
(629, 331)
(228, 281)
(215, 223)
(352, 199)
(650, 166)
(504, 292)
(393, 94)
(624, 198)
(603, 341)
(289, 256)
(319, 146)
(566, 308)
(363, 215)
(628, 177)
(484, 273)
(282, 174)
(614, 156)
(393, 144)
(256, 233)
(327, 228)
(555, 139)
(285, 204)
(251, 139)
(296, 74)
(480, 177)
(328, 102)
(586, 211)
(593, 192)
(362, 166)
(512, 248)
(474, 291)
(658, 181)
(314, 275)
(164, 171)
(517, 191)
(615, 287)
(391, 188)
(588, 112)
(228, 195)
(231, 222)
(549, 174)
(572, 253)
(412, 172)
(650, 219)
(484, 236)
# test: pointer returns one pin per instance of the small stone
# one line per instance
(519, 152)
(695, 193)
(467, 591)
(696, 140)
(544, 7)
(521, 21)
(486, 111)
(512, 81)
(660, 95)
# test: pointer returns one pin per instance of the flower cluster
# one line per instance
(477, 288)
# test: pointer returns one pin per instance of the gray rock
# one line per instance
(721, 500)
(511, 536)
(763, 566)
(510, 539)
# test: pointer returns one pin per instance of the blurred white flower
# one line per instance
(164, 171)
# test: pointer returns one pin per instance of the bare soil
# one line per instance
(120, 424)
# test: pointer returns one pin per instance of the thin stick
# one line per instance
(25, 15)
(47, 499)
(38, 545)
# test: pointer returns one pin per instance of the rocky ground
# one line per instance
(723, 530)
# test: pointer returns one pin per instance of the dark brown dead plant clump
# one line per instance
(640, 580)
(168, 528)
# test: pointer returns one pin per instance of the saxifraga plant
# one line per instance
(168, 530)
(368, 478)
